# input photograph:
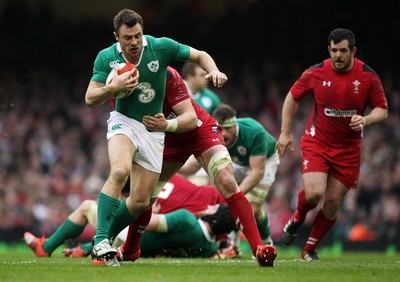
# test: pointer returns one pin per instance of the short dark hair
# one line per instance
(127, 17)
(223, 112)
(222, 221)
(189, 69)
(340, 34)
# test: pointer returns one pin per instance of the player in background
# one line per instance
(255, 161)
(134, 150)
(197, 84)
(342, 87)
(206, 144)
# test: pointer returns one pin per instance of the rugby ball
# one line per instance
(120, 69)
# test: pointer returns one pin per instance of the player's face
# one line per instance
(229, 134)
(131, 41)
(199, 79)
(341, 55)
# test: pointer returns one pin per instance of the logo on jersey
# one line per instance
(356, 84)
(114, 64)
(326, 83)
(339, 113)
(305, 164)
(147, 93)
(153, 66)
(242, 150)
(116, 127)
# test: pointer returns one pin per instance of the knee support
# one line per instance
(217, 162)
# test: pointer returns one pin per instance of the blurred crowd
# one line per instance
(53, 150)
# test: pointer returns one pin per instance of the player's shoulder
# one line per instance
(172, 73)
(249, 123)
(365, 68)
(158, 42)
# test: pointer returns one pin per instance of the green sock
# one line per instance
(263, 226)
(67, 230)
(87, 248)
(122, 219)
(106, 212)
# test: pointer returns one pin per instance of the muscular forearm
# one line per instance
(288, 111)
(251, 180)
(206, 62)
(186, 121)
(97, 95)
(375, 116)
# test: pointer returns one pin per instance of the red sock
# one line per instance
(320, 227)
(244, 219)
(136, 229)
(302, 207)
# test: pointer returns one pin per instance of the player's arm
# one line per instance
(186, 119)
(97, 93)
(208, 64)
(285, 139)
(257, 170)
(375, 116)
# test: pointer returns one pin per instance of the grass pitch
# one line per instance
(19, 264)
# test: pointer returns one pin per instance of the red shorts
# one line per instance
(180, 146)
(343, 163)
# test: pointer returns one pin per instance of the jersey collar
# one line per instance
(205, 231)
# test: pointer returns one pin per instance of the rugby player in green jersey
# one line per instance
(255, 160)
(133, 150)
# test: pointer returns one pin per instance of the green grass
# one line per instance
(19, 264)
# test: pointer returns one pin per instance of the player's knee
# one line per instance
(86, 206)
(120, 174)
(218, 162)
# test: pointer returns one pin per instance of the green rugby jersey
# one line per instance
(252, 140)
(185, 238)
(148, 97)
(207, 99)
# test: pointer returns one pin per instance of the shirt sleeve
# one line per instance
(176, 90)
(100, 69)
(377, 97)
(176, 50)
(303, 85)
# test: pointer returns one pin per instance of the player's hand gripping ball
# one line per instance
(120, 69)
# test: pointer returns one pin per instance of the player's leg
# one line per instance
(71, 228)
(326, 217)
(314, 188)
(121, 151)
(217, 162)
(256, 198)
(130, 248)
(315, 169)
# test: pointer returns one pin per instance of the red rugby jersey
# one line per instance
(176, 92)
(180, 193)
(336, 97)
